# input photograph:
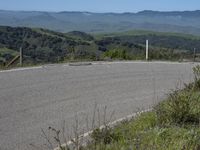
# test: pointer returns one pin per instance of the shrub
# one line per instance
(116, 54)
(105, 135)
(182, 107)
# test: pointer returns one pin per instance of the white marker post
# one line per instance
(147, 50)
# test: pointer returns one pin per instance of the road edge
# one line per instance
(111, 124)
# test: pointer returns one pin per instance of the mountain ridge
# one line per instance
(152, 11)
(91, 22)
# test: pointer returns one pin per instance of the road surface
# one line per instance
(35, 98)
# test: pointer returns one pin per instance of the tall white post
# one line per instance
(147, 49)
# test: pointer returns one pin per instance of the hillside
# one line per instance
(39, 45)
(46, 46)
(182, 22)
(158, 39)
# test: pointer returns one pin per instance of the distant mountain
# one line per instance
(172, 13)
(175, 21)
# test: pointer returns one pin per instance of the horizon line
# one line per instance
(85, 11)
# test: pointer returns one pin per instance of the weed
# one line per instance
(105, 135)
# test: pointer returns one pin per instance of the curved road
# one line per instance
(36, 98)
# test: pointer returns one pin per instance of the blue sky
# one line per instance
(100, 5)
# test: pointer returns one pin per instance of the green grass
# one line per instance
(8, 51)
(144, 133)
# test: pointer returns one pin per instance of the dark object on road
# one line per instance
(80, 64)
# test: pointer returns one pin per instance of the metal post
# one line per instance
(194, 54)
(147, 50)
(21, 56)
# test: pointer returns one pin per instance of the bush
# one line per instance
(116, 54)
(182, 107)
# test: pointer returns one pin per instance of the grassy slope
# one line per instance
(146, 132)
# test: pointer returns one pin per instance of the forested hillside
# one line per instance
(45, 46)
(41, 45)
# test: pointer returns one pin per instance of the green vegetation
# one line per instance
(6, 54)
(45, 46)
(116, 54)
(172, 125)
(144, 132)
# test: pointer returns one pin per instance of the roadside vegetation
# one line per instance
(173, 124)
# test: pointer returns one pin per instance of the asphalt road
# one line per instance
(34, 99)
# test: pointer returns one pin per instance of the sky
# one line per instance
(100, 5)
